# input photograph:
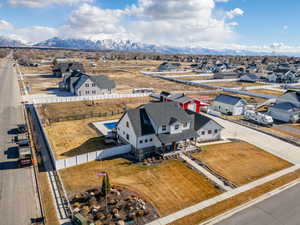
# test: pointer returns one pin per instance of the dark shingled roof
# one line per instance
(200, 120)
(285, 106)
(140, 122)
(103, 82)
(161, 113)
(228, 99)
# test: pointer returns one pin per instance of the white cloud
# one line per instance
(94, 23)
(285, 27)
(233, 13)
(4, 25)
(35, 34)
(43, 3)
(180, 23)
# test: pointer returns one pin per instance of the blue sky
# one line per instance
(249, 24)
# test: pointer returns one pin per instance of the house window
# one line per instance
(164, 127)
(176, 127)
(127, 124)
(150, 140)
(87, 85)
(94, 92)
(79, 92)
(209, 131)
(123, 132)
(127, 137)
(141, 141)
(93, 85)
(203, 132)
(216, 131)
(87, 92)
(146, 140)
(185, 124)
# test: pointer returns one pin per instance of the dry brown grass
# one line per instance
(47, 200)
(44, 69)
(267, 92)
(169, 186)
(230, 84)
(281, 132)
(237, 200)
(240, 162)
(41, 84)
(70, 138)
(55, 111)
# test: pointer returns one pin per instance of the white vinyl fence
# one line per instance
(98, 155)
(36, 99)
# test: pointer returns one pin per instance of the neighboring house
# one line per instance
(185, 102)
(65, 69)
(287, 107)
(158, 128)
(252, 78)
(227, 75)
(168, 67)
(81, 84)
(229, 105)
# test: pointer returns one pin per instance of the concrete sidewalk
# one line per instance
(205, 172)
(204, 204)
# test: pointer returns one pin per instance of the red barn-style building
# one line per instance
(185, 102)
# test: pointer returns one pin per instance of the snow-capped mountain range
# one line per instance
(121, 45)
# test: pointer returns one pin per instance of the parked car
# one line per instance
(22, 128)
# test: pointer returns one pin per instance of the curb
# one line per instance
(259, 199)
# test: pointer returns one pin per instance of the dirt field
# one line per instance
(169, 186)
(281, 132)
(77, 137)
(56, 111)
(240, 162)
(267, 92)
(237, 200)
(43, 84)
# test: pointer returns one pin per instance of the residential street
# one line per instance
(281, 209)
(18, 204)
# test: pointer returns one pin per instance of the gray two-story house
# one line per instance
(162, 127)
(82, 84)
(287, 107)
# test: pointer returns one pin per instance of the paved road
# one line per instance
(18, 205)
(281, 209)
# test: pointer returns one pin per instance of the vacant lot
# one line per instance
(42, 84)
(44, 69)
(169, 186)
(77, 137)
(72, 110)
(268, 92)
(126, 74)
(284, 131)
(240, 162)
(231, 84)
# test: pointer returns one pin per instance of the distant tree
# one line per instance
(105, 189)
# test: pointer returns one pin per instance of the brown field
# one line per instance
(55, 111)
(231, 84)
(267, 92)
(44, 69)
(240, 162)
(41, 84)
(281, 132)
(195, 78)
(169, 186)
(70, 138)
(226, 205)
(126, 74)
